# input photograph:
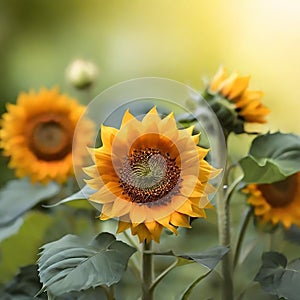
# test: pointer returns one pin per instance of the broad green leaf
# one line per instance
(72, 264)
(209, 258)
(10, 228)
(279, 278)
(22, 248)
(272, 157)
(83, 194)
(90, 294)
(24, 285)
(18, 196)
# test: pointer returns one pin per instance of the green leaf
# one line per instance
(71, 264)
(10, 228)
(209, 258)
(279, 278)
(272, 157)
(24, 285)
(90, 294)
(83, 194)
(18, 196)
(22, 248)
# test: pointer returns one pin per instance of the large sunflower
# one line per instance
(37, 134)
(278, 202)
(234, 88)
(150, 175)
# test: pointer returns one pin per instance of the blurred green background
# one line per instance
(181, 40)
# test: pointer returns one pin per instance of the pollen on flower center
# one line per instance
(50, 139)
(280, 194)
(149, 176)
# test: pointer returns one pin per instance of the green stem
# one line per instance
(189, 290)
(223, 209)
(231, 189)
(130, 239)
(166, 253)
(241, 236)
(147, 272)
(163, 274)
(109, 292)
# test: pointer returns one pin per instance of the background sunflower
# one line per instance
(278, 202)
(37, 135)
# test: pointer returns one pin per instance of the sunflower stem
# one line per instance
(244, 226)
(147, 271)
(166, 253)
(223, 208)
(109, 292)
(130, 240)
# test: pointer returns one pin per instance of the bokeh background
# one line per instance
(184, 40)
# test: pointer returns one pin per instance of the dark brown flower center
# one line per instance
(150, 177)
(50, 137)
(281, 193)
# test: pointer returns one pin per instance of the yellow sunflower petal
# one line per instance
(278, 202)
(41, 127)
(239, 86)
(148, 175)
(243, 102)
(127, 117)
(178, 219)
(122, 226)
(155, 230)
(108, 134)
(218, 79)
(142, 232)
(165, 222)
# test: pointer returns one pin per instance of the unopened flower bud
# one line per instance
(82, 73)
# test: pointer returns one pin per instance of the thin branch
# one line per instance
(241, 235)
(232, 188)
(188, 292)
(131, 240)
(163, 274)
(167, 253)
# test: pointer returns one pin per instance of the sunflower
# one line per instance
(37, 134)
(278, 202)
(244, 104)
(150, 175)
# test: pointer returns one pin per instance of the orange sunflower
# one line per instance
(234, 89)
(278, 202)
(37, 134)
(150, 175)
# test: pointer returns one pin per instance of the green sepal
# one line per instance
(226, 112)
